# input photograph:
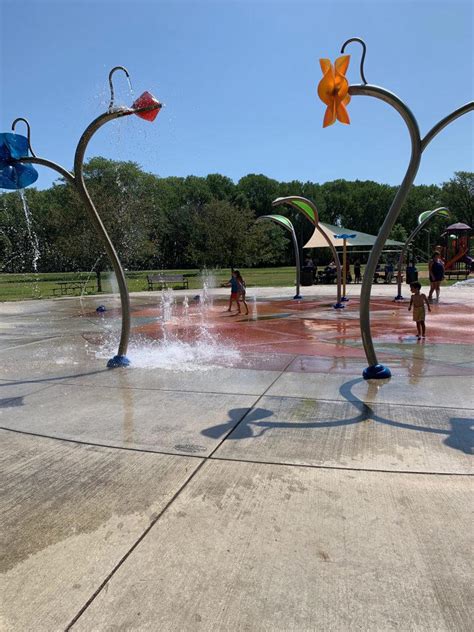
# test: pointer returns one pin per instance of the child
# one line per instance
(418, 303)
(436, 272)
(234, 290)
(241, 291)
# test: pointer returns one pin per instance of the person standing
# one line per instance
(436, 272)
(418, 302)
(234, 290)
(241, 292)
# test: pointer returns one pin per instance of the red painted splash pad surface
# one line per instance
(311, 336)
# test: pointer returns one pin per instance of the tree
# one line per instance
(458, 195)
(259, 191)
(221, 235)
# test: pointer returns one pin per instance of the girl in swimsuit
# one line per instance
(418, 302)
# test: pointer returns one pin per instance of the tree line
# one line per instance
(196, 222)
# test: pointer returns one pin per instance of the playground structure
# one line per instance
(16, 172)
(335, 92)
(457, 251)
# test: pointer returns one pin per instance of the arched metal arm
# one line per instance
(464, 109)
(413, 129)
(286, 223)
(436, 211)
(51, 165)
(313, 217)
(28, 132)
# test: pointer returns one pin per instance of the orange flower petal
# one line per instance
(342, 85)
(346, 99)
(341, 113)
(342, 63)
(330, 114)
(326, 88)
(325, 65)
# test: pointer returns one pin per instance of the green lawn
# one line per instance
(15, 287)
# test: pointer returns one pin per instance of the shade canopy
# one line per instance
(360, 239)
(459, 226)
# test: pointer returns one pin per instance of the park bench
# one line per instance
(386, 277)
(70, 288)
(164, 280)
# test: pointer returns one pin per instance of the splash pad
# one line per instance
(179, 332)
(176, 334)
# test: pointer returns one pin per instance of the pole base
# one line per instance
(339, 305)
(376, 372)
(399, 298)
(118, 360)
(297, 297)
(345, 299)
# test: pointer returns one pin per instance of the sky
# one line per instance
(239, 82)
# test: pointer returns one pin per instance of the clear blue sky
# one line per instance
(239, 82)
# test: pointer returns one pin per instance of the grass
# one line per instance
(17, 287)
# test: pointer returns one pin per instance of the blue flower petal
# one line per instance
(13, 174)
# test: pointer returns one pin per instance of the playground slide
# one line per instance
(459, 257)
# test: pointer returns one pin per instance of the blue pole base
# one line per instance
(345, 299)
(297, 297)
(399, 298)
(339, 305)
(118, 360)
(376, 372)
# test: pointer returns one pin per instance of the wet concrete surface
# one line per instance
(262, 486)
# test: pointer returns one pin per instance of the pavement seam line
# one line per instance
(337, 467)
(231, 459)
(174, 497)
(65, 382)
(250, 409)
(132, 548)
(148, 529)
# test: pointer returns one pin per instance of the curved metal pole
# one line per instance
(399, 296)
(111, 85)
(364, 51)
(375, 370)
(286, 223)
(344, 264)
(292, 200)
(28, 132)
(298, 263)
(120, 359)
(51, 165)
(77, 180)
(339, 304)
